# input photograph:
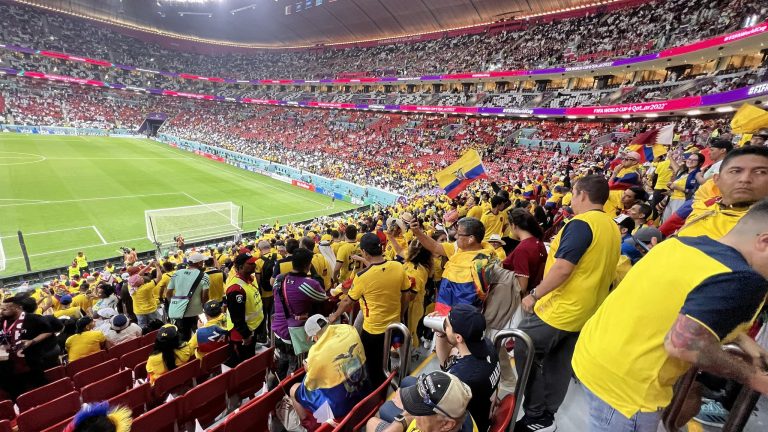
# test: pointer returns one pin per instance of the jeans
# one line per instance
(143, 320)
(551, 374)
(605, 418)
(389, 410)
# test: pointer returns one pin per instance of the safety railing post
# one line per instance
(522, 380)
(405, 351)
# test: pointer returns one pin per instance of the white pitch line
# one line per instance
(76, 248)
(99, 234)
(250, 178)
(91, 199)
(50, 231)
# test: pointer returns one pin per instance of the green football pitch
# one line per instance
(72, 193)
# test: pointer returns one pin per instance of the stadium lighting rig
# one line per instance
(250, 6)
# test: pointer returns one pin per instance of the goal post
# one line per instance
(2, 256)
(194, 223)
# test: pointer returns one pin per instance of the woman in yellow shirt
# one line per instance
(684, 184)
(169, 353)
(86, 341)
(142, 292)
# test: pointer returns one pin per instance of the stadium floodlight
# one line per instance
(194, 223)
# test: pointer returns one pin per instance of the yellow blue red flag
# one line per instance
(461, 173)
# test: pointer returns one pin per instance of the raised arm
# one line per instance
(425, 240)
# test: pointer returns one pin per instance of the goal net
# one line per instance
(194, 223)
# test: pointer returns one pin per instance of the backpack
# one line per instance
(266, 272)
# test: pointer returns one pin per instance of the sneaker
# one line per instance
(712, 413)
(545, 423)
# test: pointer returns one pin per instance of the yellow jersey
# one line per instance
(378, 289)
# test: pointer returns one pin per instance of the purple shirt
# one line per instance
(301, 292)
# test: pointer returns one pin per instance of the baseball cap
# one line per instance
(212, 308)
(244, 258)
(315, 324)
(119, 322)
(643, 237)
(66, 299)
(371, 244)
(496, 238)
(167, 332)
(468, 322)
(436, 393)
(196, 257)
(721, 144)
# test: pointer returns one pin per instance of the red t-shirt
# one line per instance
(528, 259)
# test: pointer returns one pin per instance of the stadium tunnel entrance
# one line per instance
(152, 123)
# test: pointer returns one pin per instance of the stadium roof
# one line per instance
(285, 23)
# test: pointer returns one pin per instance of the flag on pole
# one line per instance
(652, 144)
(748, 119)
(461, 173)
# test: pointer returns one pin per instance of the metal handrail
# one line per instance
(405, 352)
(522, 380)
(737, 418)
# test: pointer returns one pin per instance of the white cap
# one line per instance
(196, 257)
(315, 324)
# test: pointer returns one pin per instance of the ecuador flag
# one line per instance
(461, 173)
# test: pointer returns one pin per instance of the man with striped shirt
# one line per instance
(297, 296)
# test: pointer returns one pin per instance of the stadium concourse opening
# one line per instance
(383, 216)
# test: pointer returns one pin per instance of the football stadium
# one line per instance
(383, 215)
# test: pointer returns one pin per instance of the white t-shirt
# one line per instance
(132, 332)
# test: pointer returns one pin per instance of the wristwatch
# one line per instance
(533, 294)
(401, 419)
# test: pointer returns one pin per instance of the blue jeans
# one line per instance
(605, 418)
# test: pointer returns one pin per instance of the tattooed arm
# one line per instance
(694, 343)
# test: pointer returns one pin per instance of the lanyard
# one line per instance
(14, 327)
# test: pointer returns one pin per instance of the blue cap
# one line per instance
(66, 299)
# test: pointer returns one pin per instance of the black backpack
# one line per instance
(267, 271)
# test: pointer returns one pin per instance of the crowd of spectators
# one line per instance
(592, 38)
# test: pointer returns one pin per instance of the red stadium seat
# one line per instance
(6, 410)
(211, 362)
(107, 387)
(56, 373)
(86, 362)
(140, 371)
(366, 408)
(96, 373)
(59, 427)
(51, 413)
(175, 381)
(131, 359)
(255, 414)
(250, 375)
(136, 399)
(502, 415)
(5, 426)
(122, 348)
(148, 339)
(44, 394)
(160, 419)
(206, 401)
